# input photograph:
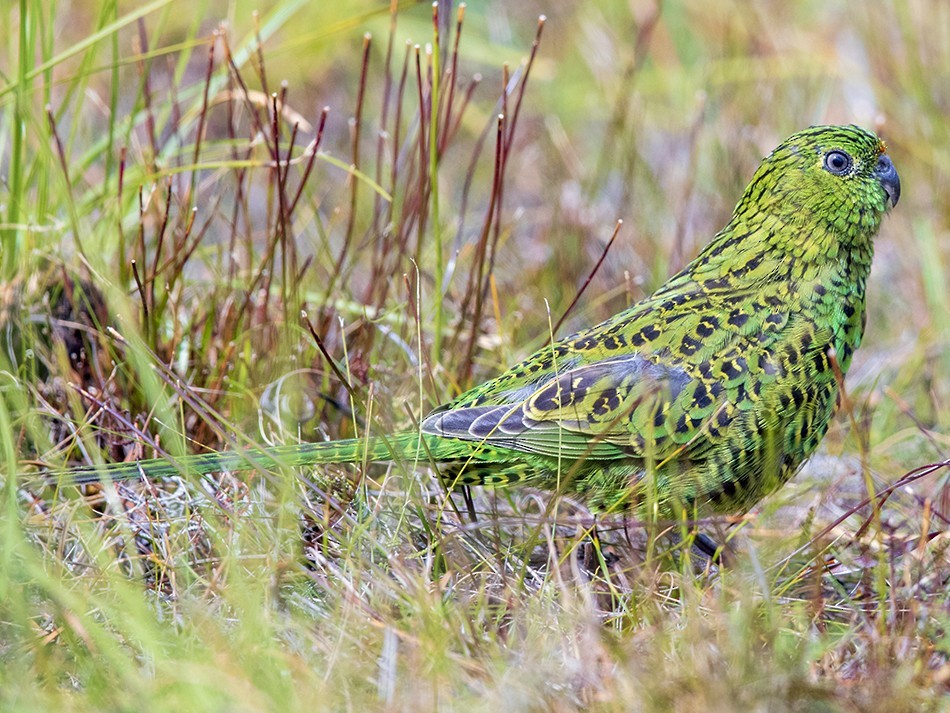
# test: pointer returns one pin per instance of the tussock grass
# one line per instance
(171, 207)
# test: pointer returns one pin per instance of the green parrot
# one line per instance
(708, 394)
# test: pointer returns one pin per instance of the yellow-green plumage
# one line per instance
(717, 387)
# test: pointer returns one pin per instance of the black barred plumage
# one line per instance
(717, 386)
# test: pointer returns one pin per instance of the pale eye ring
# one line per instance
(838, 162)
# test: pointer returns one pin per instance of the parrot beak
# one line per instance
(887, 176)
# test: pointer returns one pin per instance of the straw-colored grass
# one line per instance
(174, 196)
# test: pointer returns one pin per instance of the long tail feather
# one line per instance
(401, 446)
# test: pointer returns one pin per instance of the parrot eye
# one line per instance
(838, 162)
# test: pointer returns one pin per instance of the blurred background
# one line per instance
(173, 197)
(655, 113)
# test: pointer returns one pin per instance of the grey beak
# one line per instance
(887, 176)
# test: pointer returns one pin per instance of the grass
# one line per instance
(170, 207)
